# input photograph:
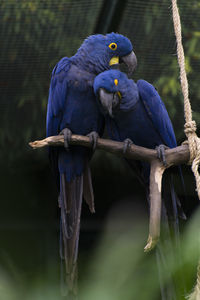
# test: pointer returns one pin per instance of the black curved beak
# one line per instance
(130, 61)
(108, 101)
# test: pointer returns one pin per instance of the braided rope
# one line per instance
(190, 125)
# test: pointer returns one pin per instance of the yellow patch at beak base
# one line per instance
(114, 60)
(120, 95)
(116, 81)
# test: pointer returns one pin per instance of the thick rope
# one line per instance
(190, 125)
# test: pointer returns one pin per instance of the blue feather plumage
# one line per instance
(72, 104)
(140, 116)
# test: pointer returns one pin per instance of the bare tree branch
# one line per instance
(175, 156)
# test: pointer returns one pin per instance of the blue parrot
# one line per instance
(136, 114)
(72, 109)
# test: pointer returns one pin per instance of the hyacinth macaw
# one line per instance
(72, 109)
(136, 114)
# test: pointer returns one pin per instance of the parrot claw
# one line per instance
(93, 136)
(67, 137)
(161, 153)
(127, 144)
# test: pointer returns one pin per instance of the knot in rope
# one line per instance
(190, 128)
(193, 141)
(196, 161)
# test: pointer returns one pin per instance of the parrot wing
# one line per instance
(56, 102)
(157, 112)
(57, 96)
(171, 206)
(72, 172)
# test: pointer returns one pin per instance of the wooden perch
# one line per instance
(175, 156)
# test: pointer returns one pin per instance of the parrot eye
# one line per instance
(113, 46)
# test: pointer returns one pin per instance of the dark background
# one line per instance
(34, 35)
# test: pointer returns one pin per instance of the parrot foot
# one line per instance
(161, 153)
(127, 144)
(67, 137)
(93, 136)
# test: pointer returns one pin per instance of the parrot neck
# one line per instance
(90, 63)
(130, 96)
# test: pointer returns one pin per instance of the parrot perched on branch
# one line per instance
(136, 114)
(72, 108)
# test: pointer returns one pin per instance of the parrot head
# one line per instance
(103, 52)
(115, 91)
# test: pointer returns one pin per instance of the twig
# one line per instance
(175, 156)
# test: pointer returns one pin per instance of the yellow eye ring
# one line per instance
(113, 46)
